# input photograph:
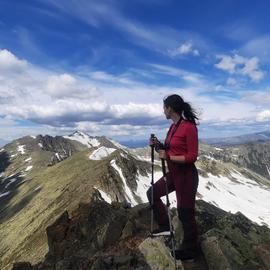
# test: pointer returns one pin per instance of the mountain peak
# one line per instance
(83, 138)
(79, 133)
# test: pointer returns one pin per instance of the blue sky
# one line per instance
(104, 67)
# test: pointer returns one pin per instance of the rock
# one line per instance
(56, 234)
(128, 230)
(263, 252)
(157, 255)
(214, 255)
(221, 253)
(22, 266)
(103, 236)
(99, 264)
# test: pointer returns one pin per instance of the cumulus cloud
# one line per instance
(264, 115)
(241, 65)
(65, 85)
(64, 102)
(185, 48)
(66, 112)
(9, 62)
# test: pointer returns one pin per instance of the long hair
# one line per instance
(181, 107)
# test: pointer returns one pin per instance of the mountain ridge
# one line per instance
(40, 190)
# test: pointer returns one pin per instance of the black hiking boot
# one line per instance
(185, 255)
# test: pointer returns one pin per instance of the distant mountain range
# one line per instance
(227, 141)
(43, 176)
(247, 138)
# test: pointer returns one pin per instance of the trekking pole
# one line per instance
(152, 184)
(168, 209)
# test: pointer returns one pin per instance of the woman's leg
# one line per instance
(159, 190)
(186, 189)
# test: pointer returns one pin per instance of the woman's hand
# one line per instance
(162, 154)
(153, 141)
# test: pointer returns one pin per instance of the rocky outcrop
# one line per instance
(61, 147)
(99, 235)
(232, 241)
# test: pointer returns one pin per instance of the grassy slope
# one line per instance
(45, 194)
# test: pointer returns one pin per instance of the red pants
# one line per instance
(183, 179)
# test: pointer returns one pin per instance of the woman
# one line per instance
(181, 151)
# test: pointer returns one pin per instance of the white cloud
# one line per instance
(184, 49)
(61, 84)
(220, 111)
(251, 69)
(226, 64)
(65, 85)
(67, 112)
(9, 62)
(64, 102)
(190, 77)
(106, 77)
(258, 97)
(264, 115)
(231, 81)
(240, 65)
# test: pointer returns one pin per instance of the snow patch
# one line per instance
(117, 144)
(243, 195)
(104, 195)
(21, 149)
(33, 137)
(101, 153)
(209, 157)
(57, 156)
(4, 194)
(28, 168)
(268, 169)
(1, 150)
(28, 159)
(218, 149)
(128, 192)
(124, 155)
(144, 183)
(83, 139)
(40, 145)
(12, 180)
(143, 158)
(37, 188)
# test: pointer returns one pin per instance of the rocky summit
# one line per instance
(99, 235)
(43, 180)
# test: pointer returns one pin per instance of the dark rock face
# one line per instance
(231, 241)
(62, 147)
(93, 228)
(98, 236)
(111, 236)
(22, 266)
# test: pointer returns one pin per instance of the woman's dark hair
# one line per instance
(181, 107)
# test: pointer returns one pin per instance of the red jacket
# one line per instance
(184, 141)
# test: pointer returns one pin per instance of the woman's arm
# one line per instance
(177, 159)
(192, 148)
